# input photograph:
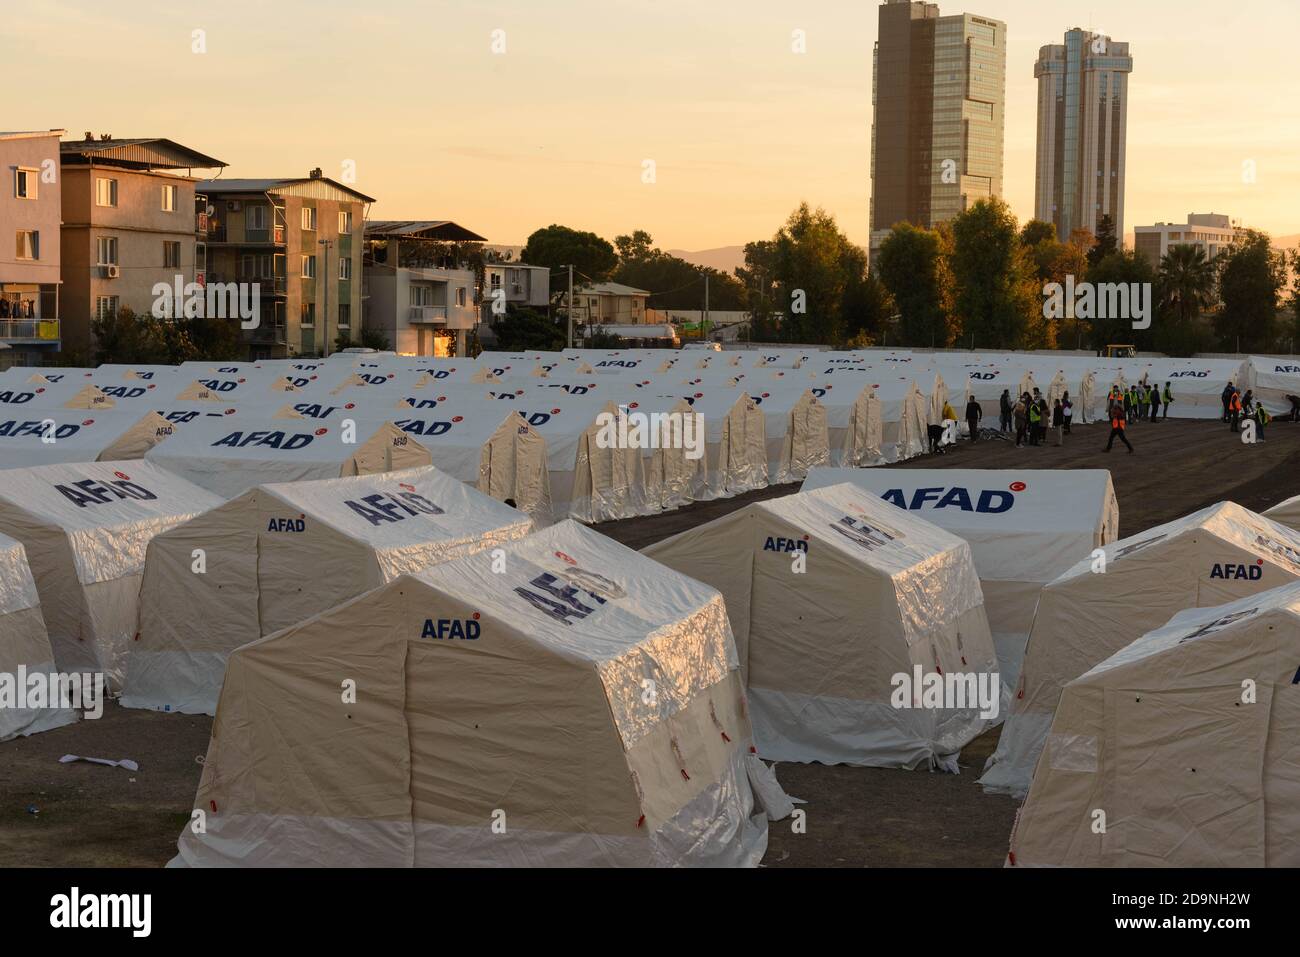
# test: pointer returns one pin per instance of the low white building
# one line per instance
(1213, 232)
(605, 302)
(516, 284)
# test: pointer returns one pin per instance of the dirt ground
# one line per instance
(82, 814)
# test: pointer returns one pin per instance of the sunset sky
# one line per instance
(556, 128)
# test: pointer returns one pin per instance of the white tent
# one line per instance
(68, 394)
(1286, 513)
(880, 594)
(501, 718)
(277, 554)
(853, 420)
(795, 423)
(904, 412)
(44, 436)
(1025, 527)
(1185, 739)
(735, 439)
(85, 528)
(1207, 558)
(230, 455)
(1273, 379)
(675, 475)
(24, 649)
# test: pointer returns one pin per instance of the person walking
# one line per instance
(1058, 421)
(1117, 422)
(1067, 411)
(1226, 396)
(1021, 414)
(1155, 403)
(1004, 411)
(1234, 411)
(974, 412)
(1169, 400)
(1144, 399)
(1262, 418)
(1128, 404)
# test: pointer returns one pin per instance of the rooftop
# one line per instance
(149, 152)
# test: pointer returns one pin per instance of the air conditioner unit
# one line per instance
(112, 272)
(233, 206)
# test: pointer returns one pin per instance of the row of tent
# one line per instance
(457, 614)
(548, 432)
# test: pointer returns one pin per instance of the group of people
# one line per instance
(1139, 402)
(1237, 408)
(1032, 417)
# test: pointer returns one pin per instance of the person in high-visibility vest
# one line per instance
(1169, 400)
(1144, 400)
(1118, 418)
(1234, 410)
(1035, 421)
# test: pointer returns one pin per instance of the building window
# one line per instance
(308, 267)
(106, 250)
(29, 244)
(460, 296)
(169, 195)
(256, 217)
(345, 315)
(345, 267)
(309, 217)
(309, 313)
(105, 191)
(25, 181)
(105, 306)
(345, 222)
(171, 255)
(421, 295)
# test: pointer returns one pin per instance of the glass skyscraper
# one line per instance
(1082, 123)
(938, 98)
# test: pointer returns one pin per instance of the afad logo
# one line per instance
(618, 363)
(314, 410)
(448, 629)
(571, 593)
(285, 441)
(1193, 373)
(298, 524)
(14, 429)
(89, 492)
(125, 392)
(776, 543)
(18, 398)
(1239, 572)
(990, 501)
(1289, 369)
(426, 426)
(220, 385)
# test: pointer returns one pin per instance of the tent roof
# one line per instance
(17, 589)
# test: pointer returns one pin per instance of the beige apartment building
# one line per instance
(609, 302)
(128, 225)
(1213, 232)
(420, 291)
(30, 215)
(300, 240)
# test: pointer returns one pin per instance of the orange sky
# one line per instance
(558, 126)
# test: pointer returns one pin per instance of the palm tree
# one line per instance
(1187, 278)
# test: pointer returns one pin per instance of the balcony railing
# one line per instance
(428, 314)
(270, 286)
(271, 234)
(267, 331)
(35, 330)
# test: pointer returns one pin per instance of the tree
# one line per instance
(147, 340)
(673, 283)
(1185, 285)
(527, 329)
(558, 247)
(1037, 231)
(1129, 269)
(909, 267)
(1106, 242)
(634, 248)
(809, 269)
(1251, 276)
(998, 297)
(375, 339)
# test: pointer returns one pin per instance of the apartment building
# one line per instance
(128, 225)
(938, 115)
(1082, 132)
(420, 290)
(1213, 232)
(516, 284)
(30, 215)
(606, 302)
(299, 239)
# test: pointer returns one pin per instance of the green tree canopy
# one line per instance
(558, 247)
(1251, 276)
(910, 266)
(998, 295)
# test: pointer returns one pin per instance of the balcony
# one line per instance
(428, 314)
(270, 286)
(268, 332)
(29, 330)
(269, 236)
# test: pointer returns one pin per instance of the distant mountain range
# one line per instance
(724, 258)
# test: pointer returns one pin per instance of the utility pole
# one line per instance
(569, 308)
(704, 326)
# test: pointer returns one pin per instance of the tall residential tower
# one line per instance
(1082, 119)
(938, 96)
